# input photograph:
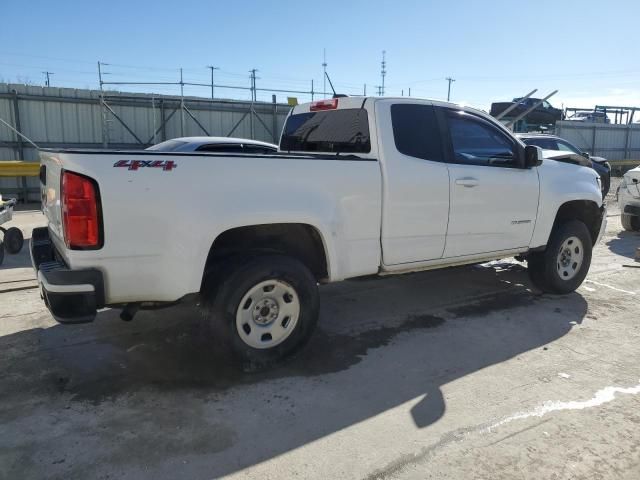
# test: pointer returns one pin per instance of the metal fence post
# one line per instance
(153, 113)
(20, 146)
(593, 140)
(163, 121)
(626, 142)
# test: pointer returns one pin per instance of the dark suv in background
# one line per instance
(551, 142)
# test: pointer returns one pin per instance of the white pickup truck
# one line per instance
(360, 186)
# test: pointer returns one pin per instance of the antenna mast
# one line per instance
(324, 68)
(383, 71)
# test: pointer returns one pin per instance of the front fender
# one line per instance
(561, 183)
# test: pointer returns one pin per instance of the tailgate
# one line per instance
(50, 171)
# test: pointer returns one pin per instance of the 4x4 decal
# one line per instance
(166, 165)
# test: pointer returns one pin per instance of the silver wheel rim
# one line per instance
(570, 258)
(267, 314)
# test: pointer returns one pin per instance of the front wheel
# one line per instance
(563, 266)
(265, 308)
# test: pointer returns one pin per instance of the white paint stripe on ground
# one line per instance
(606, 395)
(612, 288)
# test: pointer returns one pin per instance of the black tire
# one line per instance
(606, 185)
(225, 288)
(13, 240)
(1, 252)
(630, 223)
(544, 267)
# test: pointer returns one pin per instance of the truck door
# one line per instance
(415, 182)
(494, 202)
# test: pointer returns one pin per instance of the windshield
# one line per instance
(168, 146)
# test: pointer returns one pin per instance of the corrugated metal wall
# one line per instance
(62, 117)
(614, 142)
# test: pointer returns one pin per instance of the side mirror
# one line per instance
(586, 155)
(532, 156)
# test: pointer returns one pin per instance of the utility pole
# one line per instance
(450, 80)
(181, 105)
(253, 99)
(253, 84)
(212, 68)
(47, 82)
(324, 69)
(383, 71)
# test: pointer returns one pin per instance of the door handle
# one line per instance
(467, 182)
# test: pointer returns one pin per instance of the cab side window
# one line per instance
(476, 142)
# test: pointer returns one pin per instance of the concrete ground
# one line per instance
(460, 373)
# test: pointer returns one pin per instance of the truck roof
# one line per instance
(363, 101)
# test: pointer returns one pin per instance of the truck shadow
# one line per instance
(379, 345)
(625, 244)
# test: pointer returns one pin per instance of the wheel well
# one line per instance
(300, 241)
(586, 211)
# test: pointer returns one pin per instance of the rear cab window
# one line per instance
(221, 148)
(341, 130)
(168, 146)
(416, 132)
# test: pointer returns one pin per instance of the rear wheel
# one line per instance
(264, 308)
(630, 223)
(563, 266)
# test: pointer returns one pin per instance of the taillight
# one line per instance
(330, 104)
(80, 218)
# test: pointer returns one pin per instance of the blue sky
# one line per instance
(494, 49)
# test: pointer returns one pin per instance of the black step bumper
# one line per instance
(72, 296)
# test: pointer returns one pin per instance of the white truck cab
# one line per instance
(359, 186)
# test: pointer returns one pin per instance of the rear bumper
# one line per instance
(72, 296)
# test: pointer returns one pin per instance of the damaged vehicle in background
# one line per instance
(552, 142)
(629, 200)
(589, 117)
(542, 114)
